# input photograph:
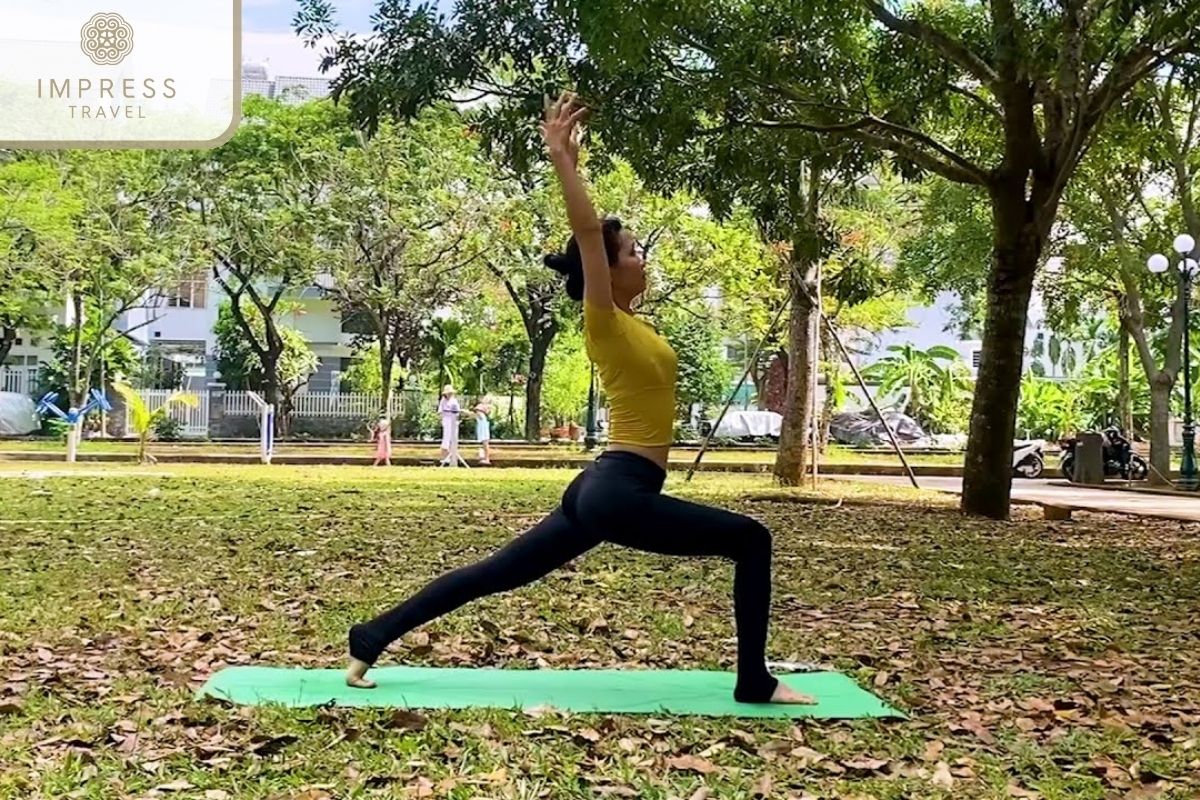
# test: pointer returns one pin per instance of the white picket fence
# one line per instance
(320, 404)
(194, 420)
(308, 404)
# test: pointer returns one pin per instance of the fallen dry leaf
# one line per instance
(497, 776)
(865, 764)
(942, 777)
(310, 793)
(402, 719)
(693, 763)
(174, 786)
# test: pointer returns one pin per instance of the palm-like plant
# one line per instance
(447, 349)
(927, 377)
(144, 420)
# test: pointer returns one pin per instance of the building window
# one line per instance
(975, 358)
(191, 293)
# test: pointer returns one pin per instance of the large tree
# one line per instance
(132, 238)
(241, 365)
(37, 215)
(1002, 96)
(263, 198)
(1136, 189)
(406, 206)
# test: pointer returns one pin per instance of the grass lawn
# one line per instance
(1052, 660)
(834, 455)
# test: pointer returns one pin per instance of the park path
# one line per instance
(1186, 509)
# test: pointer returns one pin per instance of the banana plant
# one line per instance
(143, 420)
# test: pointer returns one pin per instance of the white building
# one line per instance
(256, 79)
(178, 327)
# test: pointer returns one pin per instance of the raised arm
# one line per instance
(561, 132)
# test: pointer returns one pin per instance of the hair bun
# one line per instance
(558, 262)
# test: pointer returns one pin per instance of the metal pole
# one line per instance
(863, 385)
(1187, 469)
(814, 413)
(589, 438)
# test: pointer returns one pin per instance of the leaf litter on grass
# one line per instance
(1035, 659)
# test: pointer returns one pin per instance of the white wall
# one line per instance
(179, 324)
(317, 319)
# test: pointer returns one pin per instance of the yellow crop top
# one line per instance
(637, 369)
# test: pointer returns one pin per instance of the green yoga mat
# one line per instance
(603, 691)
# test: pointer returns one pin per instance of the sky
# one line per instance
(267, 34)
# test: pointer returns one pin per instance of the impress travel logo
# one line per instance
(107, 39)
(134, 73)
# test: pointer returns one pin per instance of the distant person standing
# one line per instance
(450, 411)
(381, 432)
(483, 432)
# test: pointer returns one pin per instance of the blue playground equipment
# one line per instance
(73, 416)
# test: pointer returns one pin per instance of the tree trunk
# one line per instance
(1124, 394)
(1160, 428)
(538, 348)
(271, 390)
(1017, 245)
(76, 391)
(832, 366)
(802, 328)
(759, 375)
(386, 361)
(7, 337)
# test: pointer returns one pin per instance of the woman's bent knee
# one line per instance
(754, 538)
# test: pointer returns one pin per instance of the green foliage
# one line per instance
(36, 217)
(775, 105)
(146, 423)
(418, 417)
(259, 197)
(168, 429)
(117, 231)
(408, 204)
(704, 375)
(448, 353)
(365, 374)
(119, 358)
(1049, 409)
(565, 387)
(236, 362)
(935, 384)
(241, 366)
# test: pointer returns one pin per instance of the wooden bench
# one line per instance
(1055, 513)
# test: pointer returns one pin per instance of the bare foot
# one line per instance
(783, 694)
(355, 673)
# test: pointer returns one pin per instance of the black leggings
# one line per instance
(615, 499)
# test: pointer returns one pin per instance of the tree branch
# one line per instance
(948, 46)
(513, 293)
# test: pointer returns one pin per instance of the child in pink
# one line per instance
(381, 432)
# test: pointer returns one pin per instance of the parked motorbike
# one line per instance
(1119, 458)
(1029, 458)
